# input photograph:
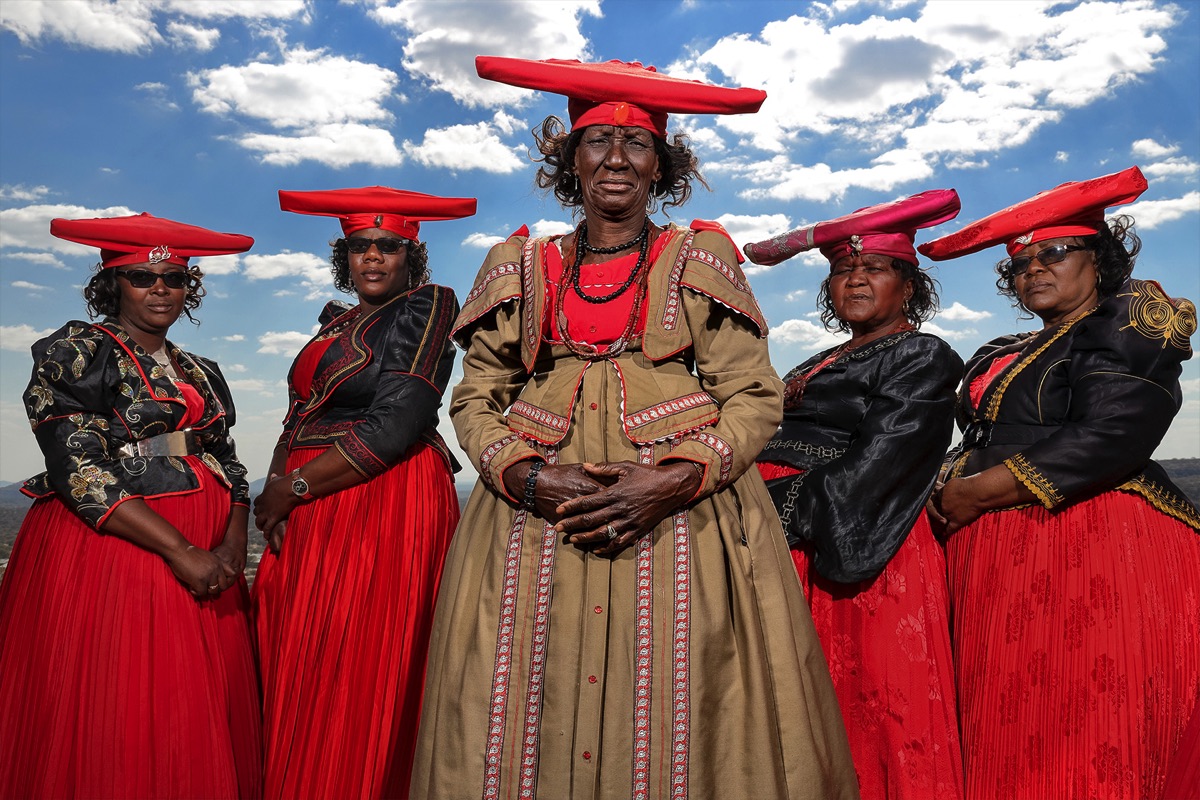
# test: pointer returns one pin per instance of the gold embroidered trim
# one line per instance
(1026, 473)
(993, 407)
(1164, 500)
(1158, 317)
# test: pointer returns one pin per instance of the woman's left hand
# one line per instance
(275, 503)
(636, 499)
(956, 504)
(232, 549)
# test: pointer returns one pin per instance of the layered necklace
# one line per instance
(636, 276)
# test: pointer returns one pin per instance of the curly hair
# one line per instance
(919, 308)
(1115, 248)
(417, 263)
(103, 295)
(676, 161)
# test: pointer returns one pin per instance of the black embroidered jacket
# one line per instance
(1081, 409)
(93, 390)
(377, 387)
(870, 431)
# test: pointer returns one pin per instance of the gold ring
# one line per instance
(214, 587)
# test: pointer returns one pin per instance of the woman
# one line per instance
(359, 508)
(1074, 561)
(616, 619)
(865, 425)
(125, 648)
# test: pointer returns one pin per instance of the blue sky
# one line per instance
(199, 110)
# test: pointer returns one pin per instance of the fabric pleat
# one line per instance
(117, 683)
(343, 617)
(1077, 639)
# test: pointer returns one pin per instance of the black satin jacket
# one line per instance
(377, 388)
(1081, 409)
(870, 432)
(93, 390)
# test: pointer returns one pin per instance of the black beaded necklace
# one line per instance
(581, 245)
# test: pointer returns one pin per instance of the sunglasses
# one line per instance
(385, 244)
(144, 278)
(1046, 257)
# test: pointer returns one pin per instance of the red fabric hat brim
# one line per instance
(615, 83)
(886, 229)
(393, 210)
(144, 238)
(1070, 209)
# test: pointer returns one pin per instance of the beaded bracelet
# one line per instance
(530, 500)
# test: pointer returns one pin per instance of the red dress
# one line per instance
(343, 617)
(116, 682)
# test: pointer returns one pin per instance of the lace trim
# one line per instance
(1164, 500)
(1042, 487)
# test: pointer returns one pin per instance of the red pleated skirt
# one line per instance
(343, 617)
(1077, 645)
(887, 641)
(114, 681)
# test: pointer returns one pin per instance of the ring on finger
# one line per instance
(610, 532)
(214, 587)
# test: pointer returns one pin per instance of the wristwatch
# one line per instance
(300, 486)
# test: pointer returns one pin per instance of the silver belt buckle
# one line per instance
(175, 443)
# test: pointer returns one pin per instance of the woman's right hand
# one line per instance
(201, 571)
(556, 484)
(274, 536)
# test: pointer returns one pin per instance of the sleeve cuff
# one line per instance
(1041, 486)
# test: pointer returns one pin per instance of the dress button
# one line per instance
(591, 678)
(587, 755)
(594, 406)
(598, 610)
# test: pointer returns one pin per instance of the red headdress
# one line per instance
(1071, 209)
(887, 229)
(143, 238)
(619, 93)
(394, 210)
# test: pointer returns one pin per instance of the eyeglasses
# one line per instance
(144, 278)
(385, 244)
(1045, 257)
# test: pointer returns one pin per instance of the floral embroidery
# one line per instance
(90, 481)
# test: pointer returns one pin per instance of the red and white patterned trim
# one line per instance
(671, 310)
(502, 668)
(541, 416)
(668, 408)
(498, 271)
(643, 653)
(681, 660)
(489, 453)
(720, 265)
(722, 449)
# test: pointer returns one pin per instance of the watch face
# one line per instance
(299, 487)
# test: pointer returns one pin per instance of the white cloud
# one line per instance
(235, 337)
(283, 343)
(467, 147)
(792, 297)
(308, 270)
(23, 194)
(49, 259)
(19, 338)
(33, 287)
(1148, 148)
(29, 226)
(1172, 167)
(334, 145)
(551, 227)
(193, 37)
(446, 37)
(257, 385)
(805, 333)
(482, 240)
(1062, 156)
(945, 86)
(1152, 213)
(957, 312)
(967, 334)
(218, 265)
(744, 228)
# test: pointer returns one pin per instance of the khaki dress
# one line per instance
(687, 666)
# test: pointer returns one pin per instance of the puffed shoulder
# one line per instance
(332, 310)
(712, 269)
(929, 349)
(498, 281)
(1140, 318)
(72, 347)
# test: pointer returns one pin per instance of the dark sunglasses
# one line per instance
(144, 278)
(1046, 257)
(385, 244)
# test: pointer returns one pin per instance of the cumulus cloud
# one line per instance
(283, 343)
(966, 334)
(1062, 156)
(235, 337)
(467, 147)
(257, 385)
(48, 259)
(444, 39)
(19, 338)
(1172, 168)
(308, 270)
(1152, 213)
(482, 240)
(29, 226)
(33, 287)
(129, 27)
(957, 312)
(218, 265)
(23, 194)
(804, 333)
(334, 145)
(945, 85)
(1148, 148)
(192, 37)
(551, 227)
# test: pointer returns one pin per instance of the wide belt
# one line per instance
(984, 433)
(175, 443)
